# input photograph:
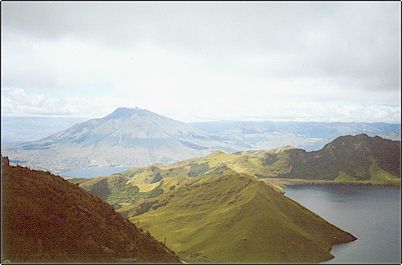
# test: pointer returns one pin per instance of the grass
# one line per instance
(235, 218)
(118, 191)
(343, 177)
(380, 176)
(124, 189)
(45, 219)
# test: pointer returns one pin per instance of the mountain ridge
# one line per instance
(254, 222)
(47, 219)
(348, 159)
(130, 137)
(138, 137)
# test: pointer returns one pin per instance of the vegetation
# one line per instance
(343, 177)
(348, 159)
(215, 209)
(198, 169)
(235, 218)
(116, 190)
(48, 219)
(361, 158)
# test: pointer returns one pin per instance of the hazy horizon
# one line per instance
(212, 120)
(196, 62)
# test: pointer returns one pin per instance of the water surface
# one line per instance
(371, 213)
(92, 172)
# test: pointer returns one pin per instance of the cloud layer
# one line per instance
(204, 61)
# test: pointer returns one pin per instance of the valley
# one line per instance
(204, 196)
(227, 132)
(239, 196)
(135, 137)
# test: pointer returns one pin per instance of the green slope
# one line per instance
(348, 159)
(118, 190)
(235, 218)
(362, 158)
(214, 208)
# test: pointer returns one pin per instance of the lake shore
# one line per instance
(370, 212)
(281, 183)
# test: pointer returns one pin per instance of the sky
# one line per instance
(203, 61)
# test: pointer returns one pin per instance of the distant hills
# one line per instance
(23, 129)
(47, 219)
(347, 159)
(138, 137)
(192, 201)
(307, 135)
(129, 137)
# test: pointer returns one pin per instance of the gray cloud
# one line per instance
(352, 48)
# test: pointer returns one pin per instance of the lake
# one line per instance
(92, 172)
(371, 213)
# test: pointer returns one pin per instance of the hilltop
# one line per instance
(235, 218)
(129, 137)
(134, 137)
(220, 194)
(348, 159)
(47, 219)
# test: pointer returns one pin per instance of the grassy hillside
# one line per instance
(214, 208)
(235, 218)
(47, 219)
(118, 190)
(349, 158)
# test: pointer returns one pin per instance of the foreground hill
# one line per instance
(235, 218)
(47, 219)
(189, 203)
(129, 137)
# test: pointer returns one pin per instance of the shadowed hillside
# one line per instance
(48, 219)
(349, 158)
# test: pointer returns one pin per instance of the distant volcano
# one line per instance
(127, 136)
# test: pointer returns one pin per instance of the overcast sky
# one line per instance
(326, 61)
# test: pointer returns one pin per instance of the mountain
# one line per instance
(347, 159)
(351, 158)
(138, 137)
(47, 219)
(24, 129)
(129, 137)
(234, 218)
(189, 203)
(306, 135)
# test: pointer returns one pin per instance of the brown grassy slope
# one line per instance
(48, 219)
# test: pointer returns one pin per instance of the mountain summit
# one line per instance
(127, 136)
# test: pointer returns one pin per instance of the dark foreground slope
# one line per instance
(48, 219)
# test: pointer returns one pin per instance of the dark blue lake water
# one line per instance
(371, 213)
